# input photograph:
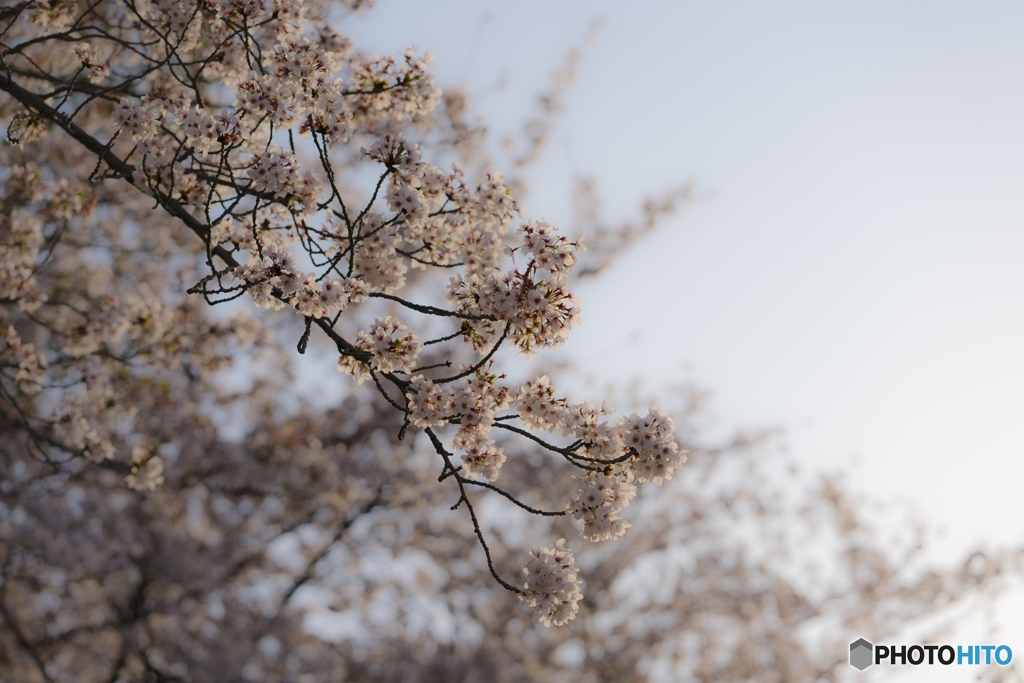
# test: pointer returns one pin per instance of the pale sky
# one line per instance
(854, 270)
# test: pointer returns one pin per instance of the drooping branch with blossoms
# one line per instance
(298, 165)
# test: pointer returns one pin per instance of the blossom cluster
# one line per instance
(534, 302)
(89, 55)
(390, 345)
(636, 449)
(21, 240)
(277, 277)
(31, 364)
(274, 172)
(474, 402)
(480, 458)
(147, 470)
(206, 133)
(599, 503)
(552, 587)
(386, 86)
(135, 120)
(650, 440)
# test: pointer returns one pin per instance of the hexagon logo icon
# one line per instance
(860, 654)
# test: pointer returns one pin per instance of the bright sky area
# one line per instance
(853, 268)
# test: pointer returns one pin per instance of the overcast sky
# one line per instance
(854, 268)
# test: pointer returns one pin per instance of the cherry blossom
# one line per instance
(552, 587)
(260, 155)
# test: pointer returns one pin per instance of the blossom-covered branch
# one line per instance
(298, 165)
